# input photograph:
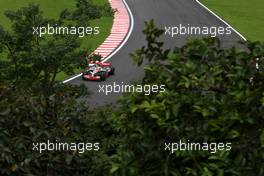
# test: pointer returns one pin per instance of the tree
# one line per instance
(213, 95)
(26, 119)
(34, 60)
(35, 107)
(86, 11)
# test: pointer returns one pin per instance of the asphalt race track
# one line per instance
(164, 13)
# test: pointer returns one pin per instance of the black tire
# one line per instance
(112, 72)
(83, 77)
(103, 76)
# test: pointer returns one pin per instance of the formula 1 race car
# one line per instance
(106, 65)
(98, 71)
(95, 75)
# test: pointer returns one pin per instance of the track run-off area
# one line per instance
(164, 13)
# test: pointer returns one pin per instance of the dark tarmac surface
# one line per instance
(164, 13)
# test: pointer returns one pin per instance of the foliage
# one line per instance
(94, 57)
(86, 11)
(212, 95)
(26, 119)
(107, 10)
(34, 107)
(32, 60)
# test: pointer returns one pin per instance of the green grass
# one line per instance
(51, 9)
(246, 16)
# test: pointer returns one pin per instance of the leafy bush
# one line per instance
(107, 10)
(35, 108)
(212, 95)
(86, 11)
(26, 119)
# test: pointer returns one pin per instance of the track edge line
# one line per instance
(131, 27)
(221, 19)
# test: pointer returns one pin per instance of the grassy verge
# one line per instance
(244, 15)
(51, 9)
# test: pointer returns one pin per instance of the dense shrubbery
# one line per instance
(26, 119)
(34, 107)
(213, 95)
(86, 11)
